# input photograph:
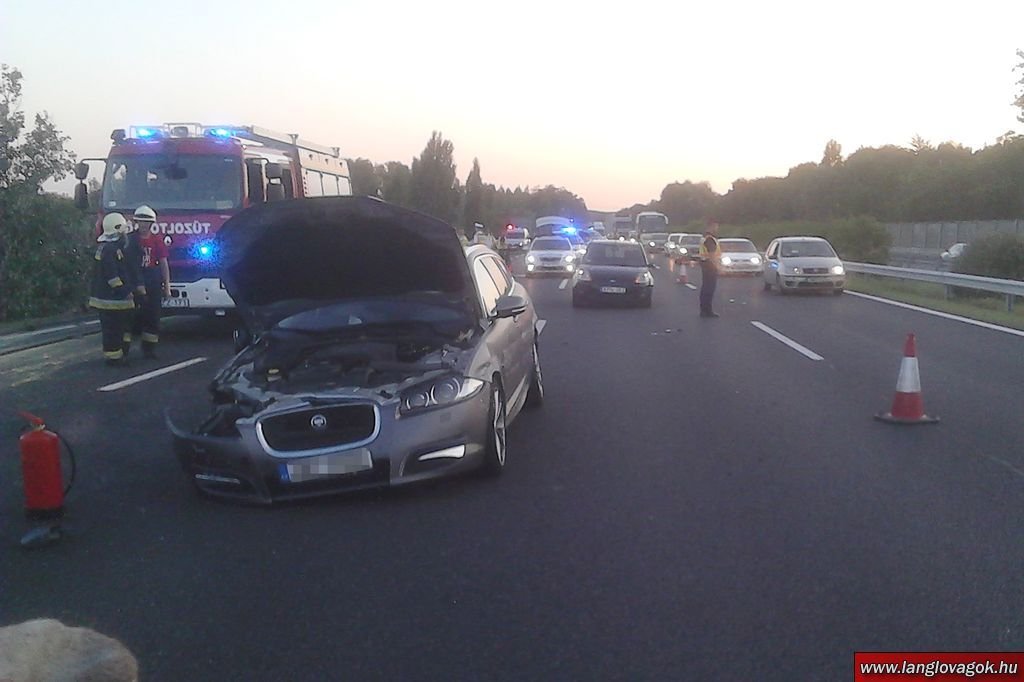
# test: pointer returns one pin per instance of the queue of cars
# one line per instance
(378, 351)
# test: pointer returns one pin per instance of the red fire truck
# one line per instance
(196, 177)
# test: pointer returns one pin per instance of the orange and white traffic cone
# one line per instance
(907, 404)
(683, 277)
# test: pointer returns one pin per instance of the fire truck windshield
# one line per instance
(183, 182)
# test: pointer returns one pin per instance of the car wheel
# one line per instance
(647, 302)
(837, 292)
(495, 452)
(535, 396)
(767, 285)
(778, 283)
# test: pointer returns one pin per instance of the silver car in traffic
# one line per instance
(378, 352)
(803, 264)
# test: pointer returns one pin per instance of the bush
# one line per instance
(996, 255)
(48, 253)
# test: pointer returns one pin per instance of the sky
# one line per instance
(609, 100)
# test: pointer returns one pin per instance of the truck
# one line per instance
(652, 230)
(198, 176)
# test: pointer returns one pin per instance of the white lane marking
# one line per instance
(150, 375)
(93, 322)
(564, 284)
(1004, 463)
(803, 350)
(540, 326)
(691, 286)
(24, 335)
(938, 313)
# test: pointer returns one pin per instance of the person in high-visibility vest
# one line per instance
(111, 293)
(710, 256)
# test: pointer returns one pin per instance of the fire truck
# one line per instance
(198, 176)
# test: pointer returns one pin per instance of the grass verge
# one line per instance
(987, 309)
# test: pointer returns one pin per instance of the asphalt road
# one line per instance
(696, 501)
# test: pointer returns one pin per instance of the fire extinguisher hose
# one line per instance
(74, 464)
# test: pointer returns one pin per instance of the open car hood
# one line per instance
(284, 258)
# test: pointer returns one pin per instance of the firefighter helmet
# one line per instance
(144, 213)
(113, 227)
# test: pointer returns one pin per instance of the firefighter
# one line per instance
(111, 294)
(133, 260)
(154, 280)
(710, 256)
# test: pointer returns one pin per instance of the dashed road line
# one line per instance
(564, 284)
(540, 326)
(803, 350)
(691, 286)
(150, 375)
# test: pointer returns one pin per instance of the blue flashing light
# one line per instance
(145, 132)
(569, 230)
(220, 132)
(205, 251)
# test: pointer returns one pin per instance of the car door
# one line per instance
(500, 336)
(771, 262)
(521, 352)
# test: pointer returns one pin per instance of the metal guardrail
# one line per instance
(1010, 288)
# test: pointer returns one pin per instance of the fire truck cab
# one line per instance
(196, 177)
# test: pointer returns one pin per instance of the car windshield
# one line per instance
(691, 240)
(551, 244)
(741, 246)
(651, 223)
(184, 182)
(656, 237)
(623, 254)
(811, 248)
(515, 234)
(674, 238)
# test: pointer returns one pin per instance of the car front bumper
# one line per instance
(550, 268)
(814, 282)
(592, 292)
(747, 268)
(406, 449)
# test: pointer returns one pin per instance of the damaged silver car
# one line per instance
(378, 352)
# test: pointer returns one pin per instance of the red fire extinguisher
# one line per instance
(41, 472)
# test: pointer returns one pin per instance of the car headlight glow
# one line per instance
(726, 260)
(644, 278)
(570, 258)
(653, 244)
(795, 270)
(756, 260)
(439, 393)
(682, 249)
(583, 275)
(838, 270)
(530, 258)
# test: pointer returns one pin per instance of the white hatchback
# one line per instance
(739, 256)
(803, 264)
(551, 255)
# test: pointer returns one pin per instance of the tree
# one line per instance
(435, 186)
(473, 210)
(918, 144)
(833, 155)
(364, 178)
(686, 202)
(44, 243)
(395, 180)
(1019, 102)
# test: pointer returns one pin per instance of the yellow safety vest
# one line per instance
(713, 256)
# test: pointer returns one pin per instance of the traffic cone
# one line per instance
(682, 278)
(907, 405)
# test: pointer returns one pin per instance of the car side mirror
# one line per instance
(510, 306)
(81, 170)
(275, 191)
(273, 171)
(81, 197)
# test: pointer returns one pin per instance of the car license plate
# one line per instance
(179, 302)
(337, 464)
(613, 290)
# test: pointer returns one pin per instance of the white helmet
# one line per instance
(113, 227)
(144, 213)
